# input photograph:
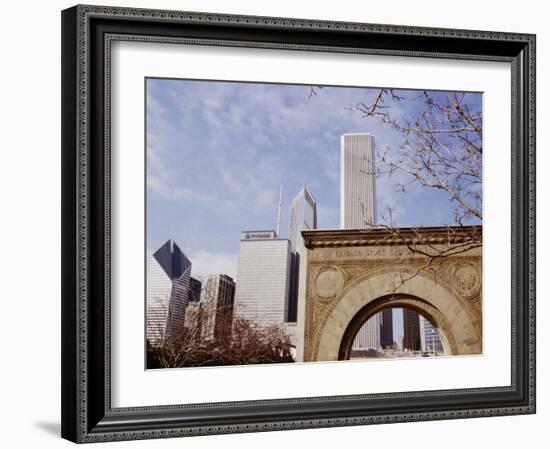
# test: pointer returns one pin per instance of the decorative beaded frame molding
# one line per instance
(87, 34)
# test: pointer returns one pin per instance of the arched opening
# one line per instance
(330, 334)
(395, 326)
(397, 332)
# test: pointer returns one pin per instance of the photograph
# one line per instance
(291, 223)
(298, 220)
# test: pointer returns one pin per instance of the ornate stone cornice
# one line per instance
(396, 236)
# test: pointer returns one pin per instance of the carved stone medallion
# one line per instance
(467, 280)
(329, 282)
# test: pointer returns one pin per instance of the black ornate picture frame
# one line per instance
(87, 34)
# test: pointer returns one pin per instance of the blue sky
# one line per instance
(217, 153)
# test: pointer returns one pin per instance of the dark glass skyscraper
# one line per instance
(386, 329)
(168, 277)
(195, 287)
(411, 330)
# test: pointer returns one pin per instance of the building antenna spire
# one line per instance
(279, 209)
(305, 181)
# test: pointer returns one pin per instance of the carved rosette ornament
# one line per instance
(328, 282)
(467, 280)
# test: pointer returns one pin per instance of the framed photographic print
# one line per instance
(283, 223)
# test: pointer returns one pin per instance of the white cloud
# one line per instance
(205, 262)
(244, 140)
(254, 185)
(161, 181)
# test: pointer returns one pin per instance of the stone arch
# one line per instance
(438, 303)
(398, 301)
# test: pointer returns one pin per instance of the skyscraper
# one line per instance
(430, 341)
(368, 336)
(168, 277)
(219, 296)
(386, 329)
(194, 320)
(261, 295)
(302, 215)
(411, 330)
(357, 206)
(195, 287)
(357, 186)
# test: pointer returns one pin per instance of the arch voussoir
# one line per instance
(363, 299)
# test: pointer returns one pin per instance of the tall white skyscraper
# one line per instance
(357, 207)
(261, 295)
(357, 187)
(302, 216)
(368, 336)
(168, 277)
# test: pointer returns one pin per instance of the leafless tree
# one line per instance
(442, 145)
(441, 149)
(234, 342)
